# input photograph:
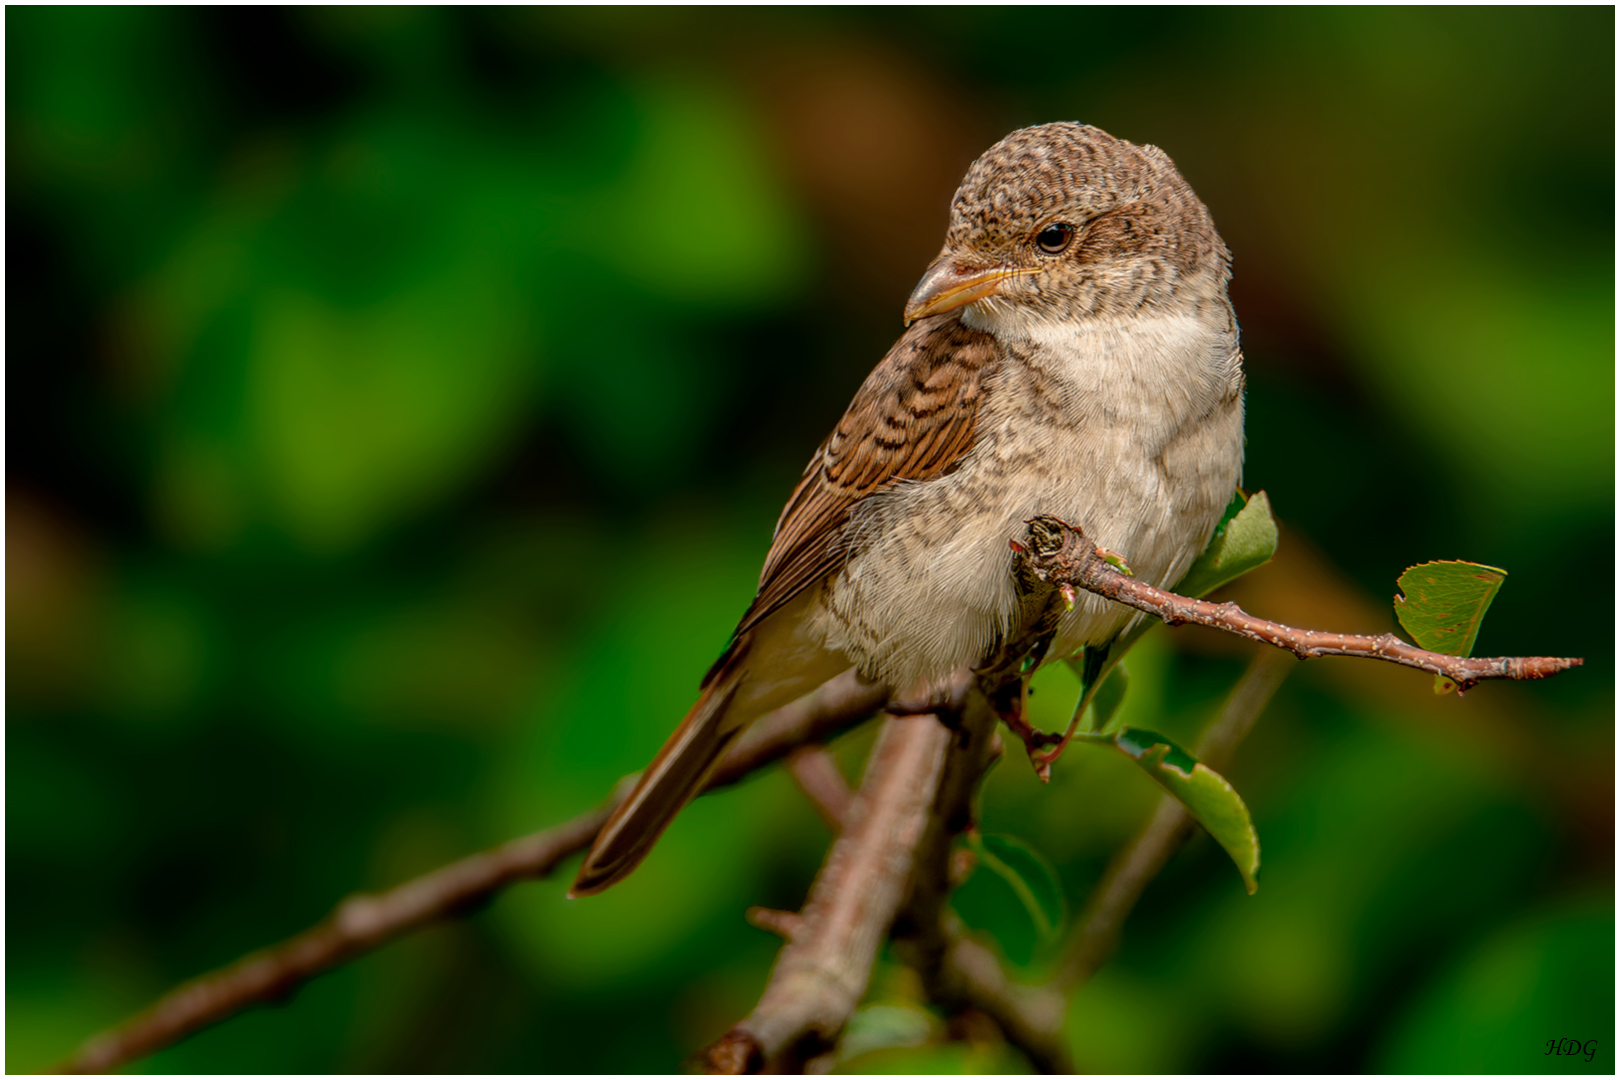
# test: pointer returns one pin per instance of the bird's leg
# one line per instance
(1005, 682)
(1004, 676)
(1010, 702)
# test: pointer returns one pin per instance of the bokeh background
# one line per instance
(344, 344)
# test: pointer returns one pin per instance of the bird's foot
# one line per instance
(1010, 703)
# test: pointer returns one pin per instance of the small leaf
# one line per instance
(1213, 802)
(1243, 541)
(1030, 877)
(1441, 604)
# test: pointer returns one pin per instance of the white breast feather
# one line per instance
(928, 588)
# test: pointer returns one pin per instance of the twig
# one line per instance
(822, 972)
(1031, 1017)
(363, 923)
(784, 924)
(358, 925)
(1061, 555)
(1134, 867)
(816, 772)
(840, 703)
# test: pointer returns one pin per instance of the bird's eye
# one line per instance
(1054, 238)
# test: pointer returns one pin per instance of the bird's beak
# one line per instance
(947, 285)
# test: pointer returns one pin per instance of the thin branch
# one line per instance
(358, 925)
(784, 924)
(822, 972)
(1061, 555)
(1033, 1018)
(1134, 867)
(840, 703)
(363, 923)
(816, 772)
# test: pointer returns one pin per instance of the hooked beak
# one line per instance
(947, 285)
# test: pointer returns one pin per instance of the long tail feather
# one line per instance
(764, 668)
(677, 774)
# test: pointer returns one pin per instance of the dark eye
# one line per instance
(1054, 238)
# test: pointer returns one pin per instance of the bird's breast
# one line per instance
(1119, 430)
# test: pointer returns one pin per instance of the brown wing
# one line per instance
(912, 419)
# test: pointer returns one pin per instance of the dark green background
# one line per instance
(347, 349)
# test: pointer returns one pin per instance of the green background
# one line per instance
(347, 348)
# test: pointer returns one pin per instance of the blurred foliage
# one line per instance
(345, 343)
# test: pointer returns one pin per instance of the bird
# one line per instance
(1072, 352)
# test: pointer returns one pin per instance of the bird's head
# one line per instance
(1064, 221)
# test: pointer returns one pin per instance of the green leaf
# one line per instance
(1245, 539)
(1441, 605)
(1213, 802)
(1109, 697)
(1093, 665)
(1238, 501)
(1030, 877)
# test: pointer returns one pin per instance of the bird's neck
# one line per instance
(1189, 351)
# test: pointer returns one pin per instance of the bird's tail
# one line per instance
(678, 773)
(766, 667)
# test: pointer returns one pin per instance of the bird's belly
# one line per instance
(928, 587)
